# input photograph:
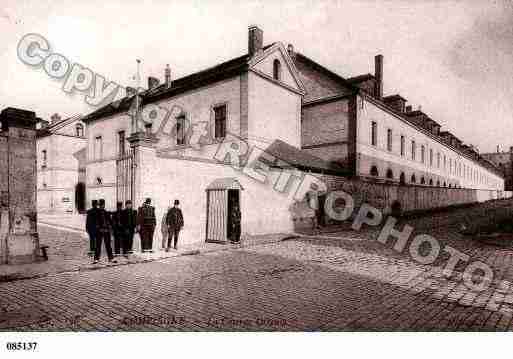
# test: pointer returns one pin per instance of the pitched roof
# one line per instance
(51, 128)
(291, 156)
(210, 75)
(224, 184)
(360, 78)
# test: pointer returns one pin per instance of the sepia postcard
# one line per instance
(254, 166)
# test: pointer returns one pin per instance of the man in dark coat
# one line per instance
(174, 222)
(104, 228)
(235, 218)
(146, 222)
(117, 228)
(128, 222)
(92, 226)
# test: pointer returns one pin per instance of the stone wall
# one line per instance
(410, 198)
(18, 216)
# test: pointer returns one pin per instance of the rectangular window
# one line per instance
(422, 154)
(220, 121)
(121, 143)
(180, 130)
(374, 133)
(44, 159)
(402, 145)
(389, 139)
(413, 150)
(98, 148)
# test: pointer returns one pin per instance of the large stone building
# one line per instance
(350, 122)
(504, 161)
(61, 160)
(269, 119)
(254, 100)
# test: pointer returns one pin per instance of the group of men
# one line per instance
(123, 223)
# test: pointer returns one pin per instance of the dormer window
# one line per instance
(277, 70)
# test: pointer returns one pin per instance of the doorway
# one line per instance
(80, 197)
(222, 196)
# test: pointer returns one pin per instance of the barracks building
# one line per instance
(294, 116)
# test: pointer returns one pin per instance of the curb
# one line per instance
(15, 277)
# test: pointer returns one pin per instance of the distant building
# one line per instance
(61, 164)
(504, 161)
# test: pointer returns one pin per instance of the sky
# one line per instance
(452, 58)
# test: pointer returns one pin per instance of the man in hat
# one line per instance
(104, 228)
(128, 222)
(174, 222)
(146, 221)
(117, 228)
(92, 226)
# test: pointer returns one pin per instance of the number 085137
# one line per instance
(21, 345)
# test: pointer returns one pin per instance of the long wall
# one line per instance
(410, 198)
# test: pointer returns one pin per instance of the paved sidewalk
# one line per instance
(70, 221)
(67, 252)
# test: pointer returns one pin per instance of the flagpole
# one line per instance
(137, 104)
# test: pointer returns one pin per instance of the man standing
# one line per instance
(128, 222)
(174, 222)
(91, 226)
(117, 228)
(146, 222)
(235, 219)
(104, 227)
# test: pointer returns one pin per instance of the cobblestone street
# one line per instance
(337, 281)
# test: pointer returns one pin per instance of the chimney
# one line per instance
(497, 148)
(130, 91)
(167, 76)
(152, 82)
(290, 50)
(255, 40)
(378, 74)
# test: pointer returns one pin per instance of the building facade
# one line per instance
(250, 131)
(61, 162)
(376, 137)
(504, 161)
(246, 105)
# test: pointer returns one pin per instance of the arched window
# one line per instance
(277, 69)
(422, 180)
(390, 174)
(413, 179)
(402, 179)
(430, 181)
(450, 185)
(445, 184)
(374, 171)
(79, 130)
(438, 183)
